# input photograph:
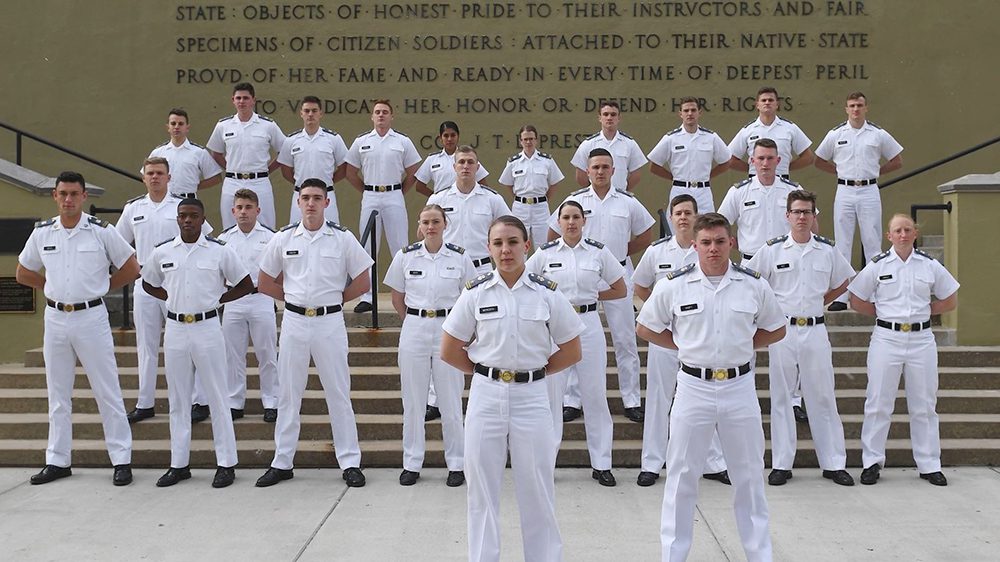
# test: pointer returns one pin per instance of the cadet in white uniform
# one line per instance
(242, 144)
(581, 266)
(898, 287)
(250, 318)
(313, 152)
(533, 176)
(805, 273)
(628, 157)
(690, 156)
(438, 169)
(853, 151)
(470, 208)
(426, 279)
(504, 328)
(76, 250)
(386, 160)
(314, 266)
(192, 167)
(662, 258)
(714, 313)
(619, 221)
(793, 144)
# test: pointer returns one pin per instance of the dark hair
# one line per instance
(434, 207)
(765, 143)
(683, 198)
(311, 99)
(467, 149)
(766, 90)
(527, 128)
(857, 96)
(600, 152)
(445, 125)
(71, 177)
(609, 103)
(712, 220)
(155, 160)
(509, 220)
(245, 87)
(179, 111)
(314, 182)
(690, 99)
(193, 202)
(571, 203)
(800, 195)
(382, 101)
(245, 193)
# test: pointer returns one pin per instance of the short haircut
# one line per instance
(609, 103)
(527, 128)
(902, 216)
(767, 90)
(248, 194)
(383, 101)
(193, 202)
(857, 96)
(155, 160)
(71, 177)
(445, 125)
(801, 195)
(314, 182)
(683, 198)
(570, 203)
(467, 149)
(434, 207)
(689, 99)
(311, 99)
(509, 220)
(181, 112)
(245, 87)
(712, 220)
(600, 152)
(765, 143)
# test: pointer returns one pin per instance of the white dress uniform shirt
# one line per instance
(246, 145)
(625, 153)
(430, 281)
(800, 274)
(662, 257)
(690, 157)
(313, 156)
(613, 220)
(382, 159)
(579, 269)
(757, 211)
(902, 290)
(194, 275)
(469, 218)
(145, 223)
(857, 152)
(190, 163)
(249, 246)
(438, 169)
(788, 136)
(532, 175)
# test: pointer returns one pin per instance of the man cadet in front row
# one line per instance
(195, 274)
(76, 250)
(714, 313)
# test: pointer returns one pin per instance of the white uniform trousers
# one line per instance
(419, 362)
(331, 213)
(247, 319)
(518, 415)
(85, 334)
(536, 218)
(805, 354)
(861, 206)
(592, 382)
(699, 408)
(149, 314)
(190, 350)
(702, 196)
(324, 338)
(391, 218)
(260, 186)
(913, 354)
(661, 380)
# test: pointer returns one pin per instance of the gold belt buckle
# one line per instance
(506, 376)
(68, 308)
(431, 313)
(310, 312)
(189, 318)
(720, 374)
(243, 176)
(905, 327)
(801, 321)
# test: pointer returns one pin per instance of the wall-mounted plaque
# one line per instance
(15, 297)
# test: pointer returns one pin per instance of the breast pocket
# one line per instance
(449, 282)
(923, 285)
(532, 323)
(888, 286)
(89, 258)
(208, 264)
(744, 309)
(590, 273)
(820, 278)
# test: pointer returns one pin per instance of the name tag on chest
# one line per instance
(887, 277)
(488, 309)
(666, 266)
(687, 307)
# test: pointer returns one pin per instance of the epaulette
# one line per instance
(785, 120)
(593, 243)
(134, 199)
(267, 228)
(624, 192)
(265, 118)
(158, 244)
(325, 130)
(164, 143)
(288, 227)
(216, 240)
(98, 222)
(227, 118)
(429, 154)
(747, 270)
(365, 134)
(684, 270)
(549, 244)
(490, 189)
(412, 247)
(543, 281)
(293, 133)
(174, 195)
(675, 131)
(622, 133)
(750, 123)
(881, 256)
(824, 240)
(400, 133)
(839, 126)
(515, 157)
(874, 125)
(454, 247)
(661, 240)
(49, 222)
(579, 191)
(923, 253)
(544, 155)
(778, 240)
(332, 224)
(479, 280)
(742, 183)
(593, 136)
(228, 229)
(788, 181)
(710, 131)
(197, 145)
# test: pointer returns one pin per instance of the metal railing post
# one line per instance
(126, 323)
(17, 148)
(373, 252)
(663, 222)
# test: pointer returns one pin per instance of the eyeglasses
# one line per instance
(801, 212)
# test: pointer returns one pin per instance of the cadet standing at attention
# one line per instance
(438, 169)
(533, 176)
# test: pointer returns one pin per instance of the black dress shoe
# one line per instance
(570, 413)
(139, 414)
(604, 477)
(869, 475)
(432, 413)
(800, 414)
(224, 476)
(936, 478)
(647, 479)
(635, 414)
(49, 473)
(719, 477)
(236, 413)
(199, 412)
(837, 306)
(270, 415)
(354, 477)
(408, 477)
(455, 478)
(779, 477)
(839, 477)
(363, 307)
(123, 475)
(273, 476)
(173, 476)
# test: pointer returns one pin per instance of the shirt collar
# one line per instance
(301, 229)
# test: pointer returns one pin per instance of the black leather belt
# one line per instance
(313, 311)
(530, 200)
(383, 188)
(481, 261)
(904, 327)
(678, 183)
(246, 175)
(716, 374)
(187, 195)
(65, 307)
(428, 313)
(857, 183)
(192, 318)
(805, 320)
(506, 375)
(581, 308)
(299, 188)
(747, 256)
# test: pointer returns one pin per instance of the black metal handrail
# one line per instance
(18, 151)
(940, 162)
(126, 322)
(373, 252)
(928, 207)
(663, 222)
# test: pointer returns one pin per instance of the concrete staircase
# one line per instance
(969, 404)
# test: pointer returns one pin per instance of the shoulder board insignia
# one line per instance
(267, 228)
(923, 253)
(175, 196)
(623, 192)
(788, 181)
(581, 190)
(265, 118)
(293, 133)
(134, 199)
(490, 189)
(622, 133)
(197, 145)
(785, 120)
(593, 136)
(823, 240)
(364, 134)
(454, 247)
(742, 183)
(593, 242)
(158, 244)
(839, 126)
(549, 244)
(49, 222)
(675, 131)
(334, 225)
(661, 240)
(515, 157)
(400, 133)
(682, 271)
(874, 125)
(777, 240)
(289, 227)
(479, 280)
(216, 240)
(544, 155)
(881, 256)
(98, 222)
(543, 281)
(412, 247)
(709, 131)
(164, 143)
(227, 118)
(746, 270)
(429, 154)
(328, 131)
(750, 123)
(228, 229)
